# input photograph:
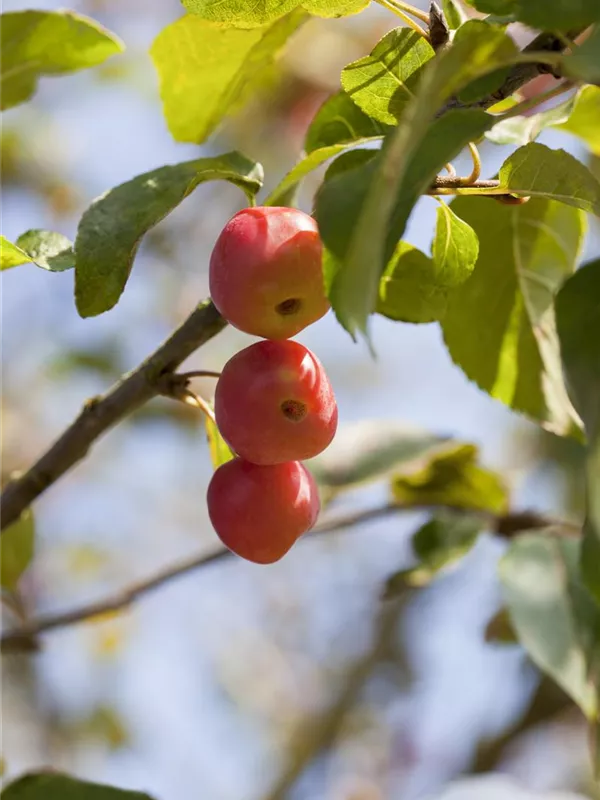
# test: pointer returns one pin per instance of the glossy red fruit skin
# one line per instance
(261, 395)
(266, 275)
(259, 512)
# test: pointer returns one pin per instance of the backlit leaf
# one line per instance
(340, 121)
(584, 120)
(499, 326)
(537, 171)
(452, 478)
(110, 230)
(206, 70)
(40, 43)
(241, 14)
(11, 255)
(410, 290)
(220, 452)
(382, 83)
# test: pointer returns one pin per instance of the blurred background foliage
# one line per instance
(240, 681)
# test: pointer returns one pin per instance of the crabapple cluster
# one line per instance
(274, 405)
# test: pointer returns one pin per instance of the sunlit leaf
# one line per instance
(17, 545)
(308, 164)
(452, 478)
(499, 325)
(340, 121)
(537, 171)
(410, 290)
(556, 621)
(453, 13)
(242, 14)
(578, 325)
(220, 452)
(110, 230)
(584, 120)
(206, 71)
(382, 83)
(11, 255)
(39, 43)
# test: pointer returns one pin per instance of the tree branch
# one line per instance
(101, 413)
(23, 638)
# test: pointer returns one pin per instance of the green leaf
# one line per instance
(499, 326)
(382, 83)
(16, 550)
(445, 539)
(369, 450)
(54, 786)
(387, 188)
(111, 228)
(340, 121)
(557, 15)
(414, 287)
(47, 249)
(453, 13)
(452, 478)
(11, 255)
(220, 452)
(206, 71)
(349, 160)
(38, 43)
(500, 629)
(537, 171)
(555, 619)
(241, 14)
(312, 161)
(584, 62)
(578, 325)
(502, 8)
(455, 247)
(584, 120)
(521, 130)
(410, 290)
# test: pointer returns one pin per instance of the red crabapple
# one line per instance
(258, 512)
(274, 403)
(266, 274)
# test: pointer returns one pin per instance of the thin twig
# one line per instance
(505, 525)
(102, 413)
(199, 373)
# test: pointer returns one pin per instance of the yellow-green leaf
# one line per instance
(206, 70)
(452, 478)
(16, 550)
(220, 452)
(11, 255)
(39, 43)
